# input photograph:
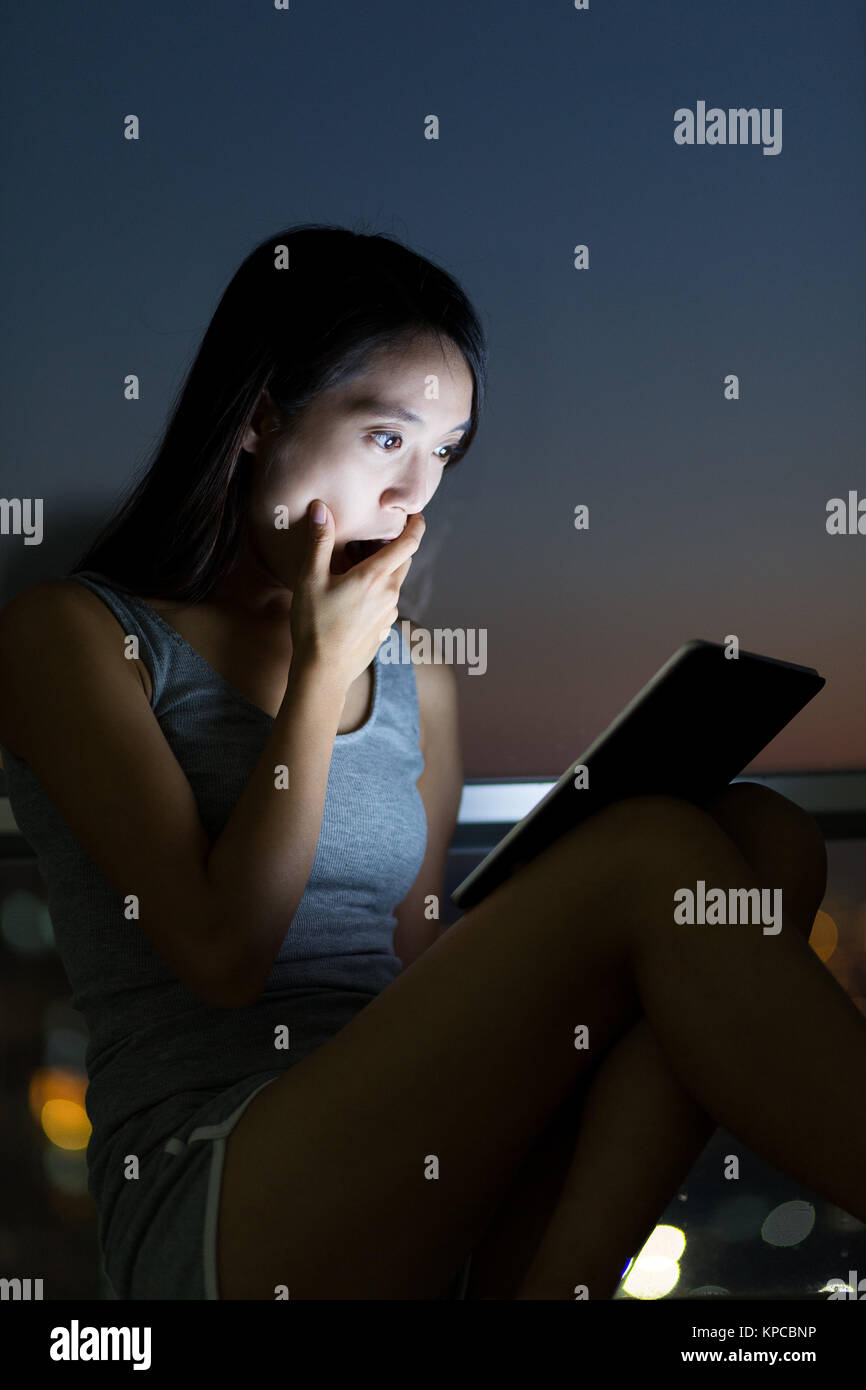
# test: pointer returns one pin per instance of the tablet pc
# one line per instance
(701, 719)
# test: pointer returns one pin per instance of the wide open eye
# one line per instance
(391, 434)
(386, 434)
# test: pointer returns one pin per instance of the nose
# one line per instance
(418, 480)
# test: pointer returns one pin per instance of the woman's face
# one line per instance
(352, 449)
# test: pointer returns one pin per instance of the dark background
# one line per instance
(707, 516)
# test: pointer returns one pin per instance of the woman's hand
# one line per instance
(341, 620)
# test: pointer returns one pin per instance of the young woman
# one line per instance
(242, 815)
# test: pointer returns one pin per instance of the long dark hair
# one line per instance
(295, 331)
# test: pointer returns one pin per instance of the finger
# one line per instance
(395, 553)
(320, 544)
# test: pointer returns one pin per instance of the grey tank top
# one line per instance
(150, 1039)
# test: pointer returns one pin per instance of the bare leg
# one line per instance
(767, 1040)
(641, 1132)
(640, 1135)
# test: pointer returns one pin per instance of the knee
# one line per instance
(656, 813)
(778, 840)
(646, 847)
(647, 827)
(777, 837)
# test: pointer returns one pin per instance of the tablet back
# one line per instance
(701, 719)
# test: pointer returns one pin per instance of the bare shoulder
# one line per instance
(44, 599)
(26, 617)
(55, 608)
(45, 631)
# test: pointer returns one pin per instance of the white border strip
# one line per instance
(822, 792)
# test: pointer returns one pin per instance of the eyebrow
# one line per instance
(371, 405)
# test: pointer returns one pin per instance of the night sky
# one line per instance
(607, 385)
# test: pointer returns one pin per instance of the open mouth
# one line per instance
(352, 553)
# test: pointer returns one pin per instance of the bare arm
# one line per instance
(258, 868)
(76, 711)
(441, 788)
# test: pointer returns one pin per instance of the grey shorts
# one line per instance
(162, 1237)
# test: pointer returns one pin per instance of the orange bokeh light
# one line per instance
(56, 1101)
(824, 937)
